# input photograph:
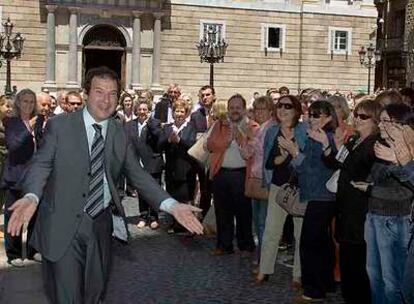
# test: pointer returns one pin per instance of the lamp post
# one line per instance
(10, 47)
(368, 56)
(212, 50)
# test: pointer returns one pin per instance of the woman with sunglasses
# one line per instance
(355, 159)
(316, 244)
(278, 170)
(389, 205)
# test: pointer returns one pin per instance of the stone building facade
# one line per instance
(151, 43)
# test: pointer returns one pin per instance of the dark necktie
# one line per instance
(95, 202)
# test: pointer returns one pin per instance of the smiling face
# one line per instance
(143, 112)
(44, 103)
(285, 111)
(27, 105)
(236, 109)
(102, 98)
(179, 115)
(127, 103)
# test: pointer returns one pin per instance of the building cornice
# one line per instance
(316, 7)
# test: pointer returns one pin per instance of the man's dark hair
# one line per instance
(207, 86)
(100, 72)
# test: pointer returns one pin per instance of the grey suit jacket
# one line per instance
(59, 176)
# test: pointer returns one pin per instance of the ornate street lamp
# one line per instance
(368, 57)
(10, 47)
(212, 50)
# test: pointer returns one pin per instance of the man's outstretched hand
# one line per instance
(23, 210)
(183, 213)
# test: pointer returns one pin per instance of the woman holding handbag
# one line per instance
(316, 244)
(277, 172)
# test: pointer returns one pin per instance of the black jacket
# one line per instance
(351, 203)
(146, 144)
(179, 166)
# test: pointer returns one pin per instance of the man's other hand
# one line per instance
(23, 210)
(183, 213)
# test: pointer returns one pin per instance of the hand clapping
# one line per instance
(319, 135)
(287, 145)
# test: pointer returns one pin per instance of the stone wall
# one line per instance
(304, 62)
(247, 68)
(28, 17)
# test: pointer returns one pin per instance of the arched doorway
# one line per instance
(104, 45)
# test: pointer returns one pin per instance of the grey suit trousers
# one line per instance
(80, 276)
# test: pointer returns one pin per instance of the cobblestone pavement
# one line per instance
(160, 268)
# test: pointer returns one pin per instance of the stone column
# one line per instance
(73, 49)
(50, 81)
(136, 51)
(156, 58)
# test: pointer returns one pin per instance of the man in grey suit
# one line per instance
(72, 182)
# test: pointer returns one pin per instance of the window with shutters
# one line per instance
(340, 40)
(273, 37)
(215, 25)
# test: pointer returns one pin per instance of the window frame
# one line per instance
(331, 36)
(264, 45)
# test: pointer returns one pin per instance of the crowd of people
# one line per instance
(357, 235)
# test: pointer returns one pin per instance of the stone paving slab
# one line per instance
(164, 269)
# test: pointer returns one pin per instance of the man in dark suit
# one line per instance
(163, 109)
(144, 132)
(72, 182)
(199, 119)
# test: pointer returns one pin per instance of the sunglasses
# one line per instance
(287, 106)
(362, 116)
(314, 115)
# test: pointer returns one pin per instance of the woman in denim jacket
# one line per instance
(316, 243)
(288, 112)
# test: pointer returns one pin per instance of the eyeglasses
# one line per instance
(287, 106)
(362, 116)
(314, 115)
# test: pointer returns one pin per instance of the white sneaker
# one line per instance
(37, 257)
(16, 263)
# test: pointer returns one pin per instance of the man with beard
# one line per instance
(228, 174)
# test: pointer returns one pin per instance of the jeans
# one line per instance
(408, 282)
(387, 240)
(259, 212)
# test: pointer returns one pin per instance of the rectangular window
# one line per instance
(212, 25)
(340, 40)
(273, 37)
